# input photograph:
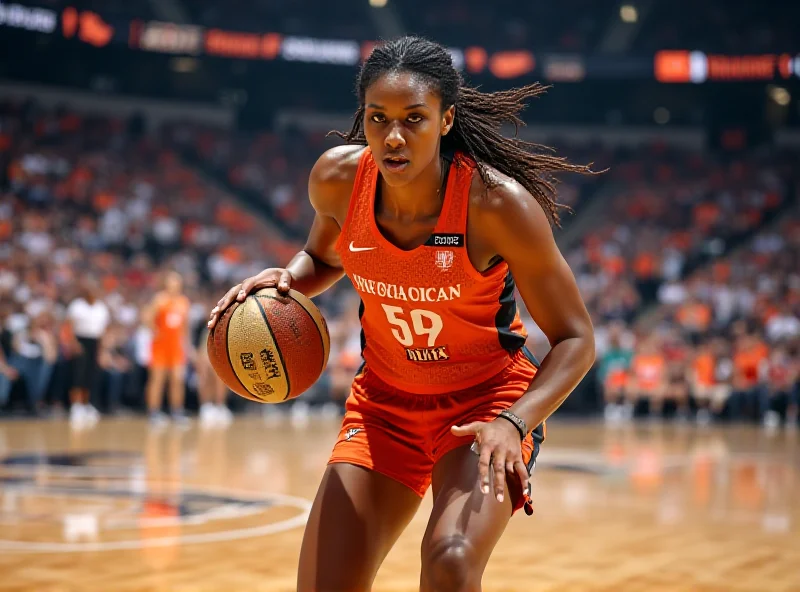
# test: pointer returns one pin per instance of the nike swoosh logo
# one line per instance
(359, 249)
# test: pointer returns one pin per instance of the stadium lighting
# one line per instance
(377, 3)
(628, 13)
(780, 95)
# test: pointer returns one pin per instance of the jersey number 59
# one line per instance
(423, 321)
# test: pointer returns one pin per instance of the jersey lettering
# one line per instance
(406, 293)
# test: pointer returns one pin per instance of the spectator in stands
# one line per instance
(708, 384)
(648, 380)
(115, 361)
(781, 389)
(612, 374)
(750, 363)
(34, 355)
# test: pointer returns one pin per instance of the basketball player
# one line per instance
(168, 318)
(434, 216)
(211, 391)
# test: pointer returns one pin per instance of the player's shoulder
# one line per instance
(337, 164)
(333, 176)
(500, 197)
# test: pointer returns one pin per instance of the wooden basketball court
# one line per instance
(652, 507)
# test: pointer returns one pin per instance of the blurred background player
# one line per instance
(168, 318)
(87, 320)
(612, 373)
(211, 391)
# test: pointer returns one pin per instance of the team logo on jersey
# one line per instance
(444, 260)
(350, 433)
(428, 354)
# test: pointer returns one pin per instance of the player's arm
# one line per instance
(149, 311)
(317, 267)
(517, 229)
(511, 224)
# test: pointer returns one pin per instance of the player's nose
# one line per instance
(394, 139)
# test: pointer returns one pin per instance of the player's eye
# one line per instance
(414, 118)
(378, 117)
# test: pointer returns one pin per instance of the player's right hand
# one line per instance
(273, 277)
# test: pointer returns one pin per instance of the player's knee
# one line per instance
(449, 565)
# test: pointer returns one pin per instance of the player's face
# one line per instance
(403, 124)
(173, 284)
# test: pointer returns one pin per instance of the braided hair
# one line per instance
(478, 119)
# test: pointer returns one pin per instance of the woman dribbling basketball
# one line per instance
(434, 215)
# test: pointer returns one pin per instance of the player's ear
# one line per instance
(447, 119)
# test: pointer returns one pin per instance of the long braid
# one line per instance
(478, 121)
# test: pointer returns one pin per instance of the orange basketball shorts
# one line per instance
(402, 435)
(167, 354)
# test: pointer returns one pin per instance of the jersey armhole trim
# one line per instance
(498, 269)
(354, 197)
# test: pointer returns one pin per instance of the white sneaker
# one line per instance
(208, 415)
(627, 412)
(612, 413)
(224, 415)
(300, 414)
(181, 420)
(703, 417)
(92, 414)
(330, 411)
(77, 416)
(772, 420)
(158, 419)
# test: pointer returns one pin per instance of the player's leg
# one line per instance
(155, 388)
(378, 472)
(224, 414)
(466, 524)
(177, 390)
(357, 516)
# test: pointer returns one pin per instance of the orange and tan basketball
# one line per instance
(271, 347)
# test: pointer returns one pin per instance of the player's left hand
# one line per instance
(499, 446)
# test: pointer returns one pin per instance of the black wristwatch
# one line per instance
(518, 422)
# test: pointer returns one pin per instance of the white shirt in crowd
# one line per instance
(88, 320)
(783, 326)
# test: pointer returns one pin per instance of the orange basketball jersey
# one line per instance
(431, 323)
(170, 321)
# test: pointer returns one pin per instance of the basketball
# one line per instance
(271, 347)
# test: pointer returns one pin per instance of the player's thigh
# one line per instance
(464, 527)
(157, 374)
(177, 371)
(357, 516)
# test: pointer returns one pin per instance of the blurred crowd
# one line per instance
(734, 26)
(722, 342)
(690, 270)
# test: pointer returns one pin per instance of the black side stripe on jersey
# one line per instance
(363, 337)
(509, 341)
(531, 358)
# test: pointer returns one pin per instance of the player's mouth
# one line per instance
(395, 164)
